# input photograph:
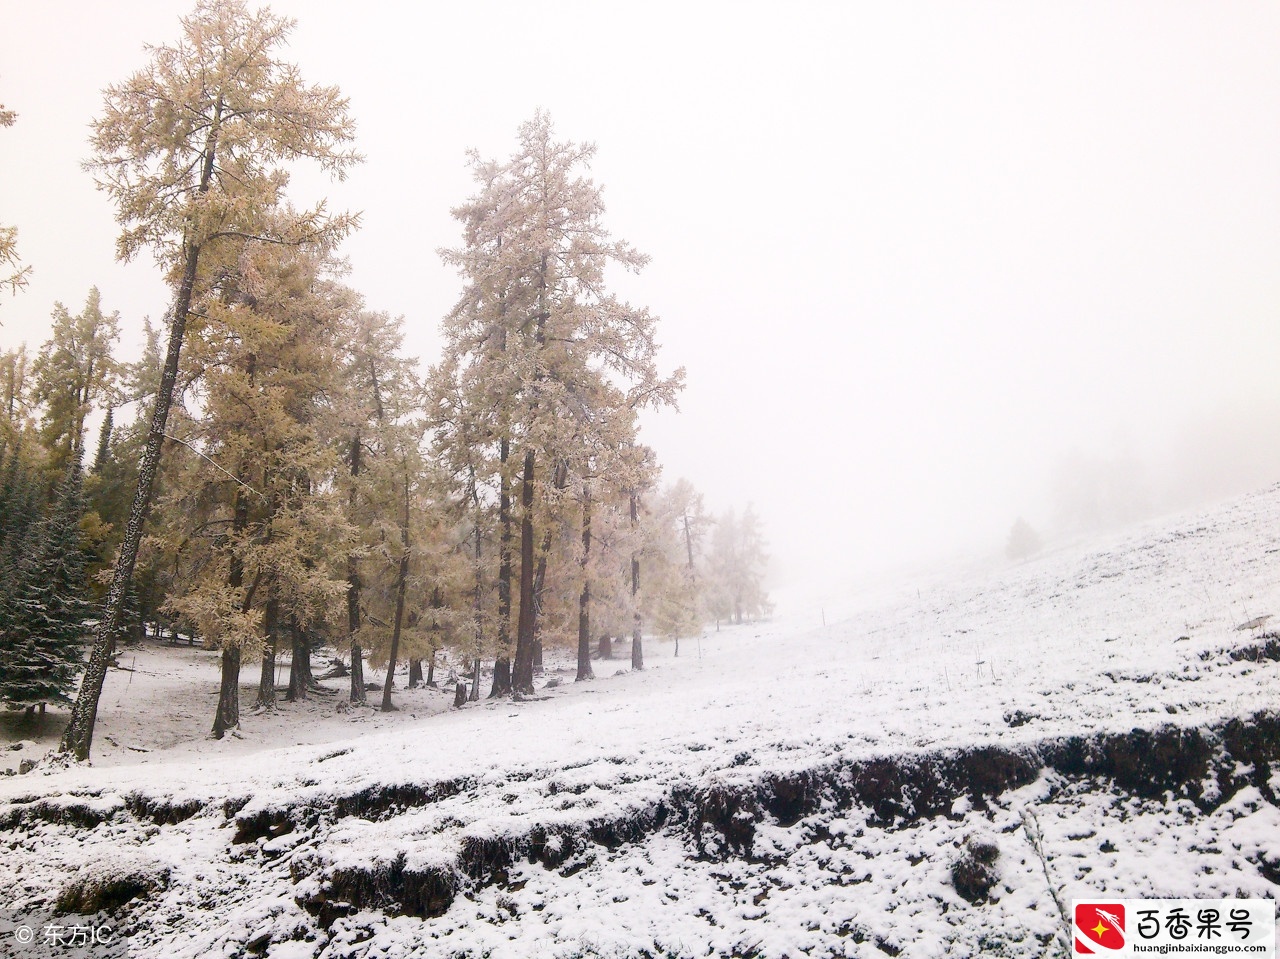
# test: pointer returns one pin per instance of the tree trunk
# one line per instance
(402, 581)
(267, 679)
(77, 739)
(504, 573)
(353, 593)
(437, 604)
(228, 712)
(228, 715)
(637, 651)
(560, 478)
(693, 579)
(522, 670)
(415, 673)
(605, 650)
(357, 674)
(477, 603)
(300, 680)
(584, 599)
(501, 677)
(460, 696)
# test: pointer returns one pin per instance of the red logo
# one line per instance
(1100, 926)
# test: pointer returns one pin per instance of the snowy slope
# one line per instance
(794, 789)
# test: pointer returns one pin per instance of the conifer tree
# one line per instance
(74, 371)
(12, 273)
(261, 514)
(531, 340)
(42, 625)
(1023, 541)
(737, 565)
(378, 385)
(677, 526)
(21, 506)
(16, 419)
(192, 150)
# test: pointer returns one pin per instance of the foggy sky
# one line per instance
(926, 265)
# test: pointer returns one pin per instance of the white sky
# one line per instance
(913, 256)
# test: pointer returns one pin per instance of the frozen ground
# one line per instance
(780, 789)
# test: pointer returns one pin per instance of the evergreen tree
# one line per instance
(21, 506)
(43, 625)
(1023, 541)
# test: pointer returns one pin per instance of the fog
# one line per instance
(929, 268)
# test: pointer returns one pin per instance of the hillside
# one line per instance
(1096, 714)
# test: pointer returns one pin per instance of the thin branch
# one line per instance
(208, 460)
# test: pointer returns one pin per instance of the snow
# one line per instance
(1132, 631)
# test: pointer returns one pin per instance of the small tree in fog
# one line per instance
(736, 567)
(1023, 540)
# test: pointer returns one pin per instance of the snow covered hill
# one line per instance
(937, 774)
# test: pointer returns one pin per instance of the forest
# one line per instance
(275, 478)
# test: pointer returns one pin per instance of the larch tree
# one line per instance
(737, 564)
(1023, 541)
(674, 545)
(473, 388)
(261, 514)
(536, 320)
(192, 150)
(377, 383)
(75, 370)
(113, 477)
(468, 476)
(16, 414)
(395, 595)
(12, 273)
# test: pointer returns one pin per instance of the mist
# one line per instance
(928, 269)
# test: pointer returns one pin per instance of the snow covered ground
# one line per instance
(779, 789)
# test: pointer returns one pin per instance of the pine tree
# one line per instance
(43, 624)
